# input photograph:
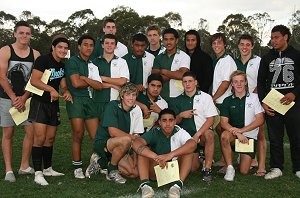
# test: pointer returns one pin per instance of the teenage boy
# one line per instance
(249, 63)
(139, 61)
(122, 122)
(113, 71)
(151, 102)
(81, 112)
(280, 69)
(16, 61)
(195, 112)
(224, 65)
(241, 115)
(167, 142)
(44, 110)
(153, 35)
(109, 27)
(171, 65)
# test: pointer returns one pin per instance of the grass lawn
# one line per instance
(67, 186)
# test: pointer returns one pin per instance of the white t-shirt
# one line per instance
(223, 69)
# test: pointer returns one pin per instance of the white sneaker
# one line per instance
(147, 191)
(297, 174)
(28, 171)
(275, 172)
(174, 191)
(50, 172)
(115, 176)
(9, 176)
(39, 178)
(78, 173)
(230, 173)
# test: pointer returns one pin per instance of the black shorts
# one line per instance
(44, 113)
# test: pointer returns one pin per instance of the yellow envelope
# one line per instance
(273, 100)
(244, 148)
(44, 79)
(149, 122)
(167, 175)
(20, 117)
(178, 84)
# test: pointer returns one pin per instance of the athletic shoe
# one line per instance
(78, 173)
(207, 177)
(147, 191)
(115, 176)
(230, 173)
(275, 172)
(10, 177)
(50, 172)
(94, 167)
(297, 174)
(174, 191)
(28, 171)
(39, 178)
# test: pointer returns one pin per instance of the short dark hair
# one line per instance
(157, 77)
(85, 36)
(21, 23)
(153, 27)
(191, 74)
(109, 36)
(283, 30)
(246, 37)
(139, 37)
(218, 36)
(170, 31)
(166, 111)
(108, 20)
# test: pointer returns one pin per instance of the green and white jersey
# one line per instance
(76, 65)
(224, 66)
(180, 59)
(115, 116)
(116, 68)
(120, 51)
(139, 67)
(161, 144)
(143, 98)
(251, 69)
(242, 112)
(203, 106)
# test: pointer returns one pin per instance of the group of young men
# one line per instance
(151, 105)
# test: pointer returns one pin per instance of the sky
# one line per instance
(214, 11)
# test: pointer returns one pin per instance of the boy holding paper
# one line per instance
(167, 142)
(280, 69)
(16, 61)
(241, 115)
(44, 110)
(196, 116)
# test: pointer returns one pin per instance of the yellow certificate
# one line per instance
(44, 79)
(20, 117)
(273, 101)
(244, 148)
(167, 175)
(178, 84)
(149, 122)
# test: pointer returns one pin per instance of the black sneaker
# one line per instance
(207, 175)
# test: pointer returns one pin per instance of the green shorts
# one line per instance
(100, 106)
(101, 150)
(82, 107)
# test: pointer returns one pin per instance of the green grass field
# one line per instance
(67, 186)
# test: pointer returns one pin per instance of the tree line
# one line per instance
(129, 22)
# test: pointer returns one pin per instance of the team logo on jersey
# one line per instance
(249, 105)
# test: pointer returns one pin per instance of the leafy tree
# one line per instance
(263, 23)
(233, 27)
(294, 23)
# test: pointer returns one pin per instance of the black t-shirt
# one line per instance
(57, 73)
